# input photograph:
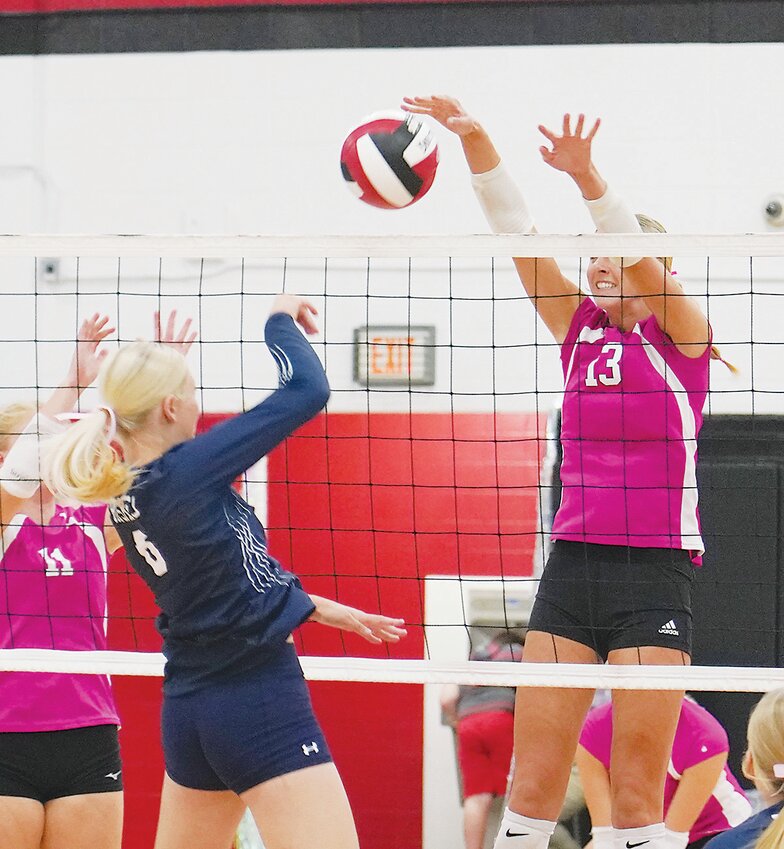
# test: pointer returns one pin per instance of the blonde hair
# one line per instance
(13, 420)
(651, 225)
(766, 747)
(83, 465)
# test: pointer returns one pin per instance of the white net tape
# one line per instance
(736, 679)
(596, 244)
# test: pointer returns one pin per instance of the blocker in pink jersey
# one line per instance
(53, 596)
(617, 584)
(632, 410)
(698, 738)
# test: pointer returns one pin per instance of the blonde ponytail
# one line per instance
(85, 464)
(715, 354)
(773, 836)
(765, 753)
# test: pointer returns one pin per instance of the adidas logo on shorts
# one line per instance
(669, 628)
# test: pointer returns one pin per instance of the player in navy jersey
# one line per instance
(763, 764)
(617, 585)
(237, 723)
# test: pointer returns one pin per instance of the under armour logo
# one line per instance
(113, 775)
(310, 748)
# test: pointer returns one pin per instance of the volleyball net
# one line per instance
(426, 488)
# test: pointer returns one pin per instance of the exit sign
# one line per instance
(393, 355)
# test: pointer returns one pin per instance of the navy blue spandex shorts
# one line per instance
(237, 733)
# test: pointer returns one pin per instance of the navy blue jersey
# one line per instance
(200, 547)
(745, 835)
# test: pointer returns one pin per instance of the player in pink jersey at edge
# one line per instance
(60, 771)
(702, 797)
(617, 585)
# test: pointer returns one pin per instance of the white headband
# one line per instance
(111, 431)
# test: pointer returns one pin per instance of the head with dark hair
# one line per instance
(503, 645)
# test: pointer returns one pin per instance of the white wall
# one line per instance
(249, 142)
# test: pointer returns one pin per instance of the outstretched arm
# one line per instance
(554, 297)
(373, 627)
(233, 446)
(20, 474)
(678, 315)
(83, 368)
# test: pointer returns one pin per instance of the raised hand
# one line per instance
(180, 340)
(373, 627)
(444, 109)
(299, 309)
(87, 359)
(571, 151)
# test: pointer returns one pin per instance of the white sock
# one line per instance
(519, 832)
(644, 837)
(676, 839)
(603, 837)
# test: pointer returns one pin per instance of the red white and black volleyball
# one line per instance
(389, 159)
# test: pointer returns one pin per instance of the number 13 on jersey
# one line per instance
(609, 366)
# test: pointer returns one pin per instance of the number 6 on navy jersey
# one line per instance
(150, 553)
(615, 349)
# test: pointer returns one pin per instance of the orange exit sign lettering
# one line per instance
(394, 355)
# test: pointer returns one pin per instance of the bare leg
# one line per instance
(84, 821)
(644, 723)
(189, 818)
(548, 722)
(303, 809)
(476, 810)
(21, 823)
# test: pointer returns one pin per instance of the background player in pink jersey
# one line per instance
(617, 585)
(60, 771)
(764, 765)
(701, 796)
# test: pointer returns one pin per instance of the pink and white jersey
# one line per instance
(53, 596)
(698, 737)
(632, 410)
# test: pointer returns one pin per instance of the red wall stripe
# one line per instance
(26, 7)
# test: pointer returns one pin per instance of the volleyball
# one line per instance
(389, 159)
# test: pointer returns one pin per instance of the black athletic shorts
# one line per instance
(46, 765)
(613, 597)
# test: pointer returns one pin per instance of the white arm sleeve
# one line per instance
(502, 202)
(611, 215)
(20, 474)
